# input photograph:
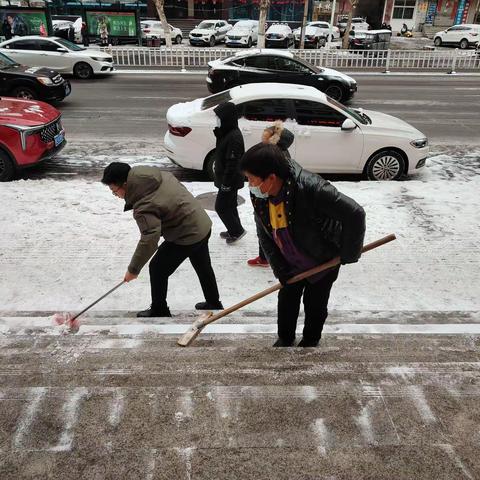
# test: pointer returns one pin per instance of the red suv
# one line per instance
(30, 132)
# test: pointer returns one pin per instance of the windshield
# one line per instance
(357, 115)
(244, 24)
(69, 45)
(214, 100)
(206, 25)
(6, 62)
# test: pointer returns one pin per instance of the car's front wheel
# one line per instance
(26, 93)
(335, 91)
(83, 71)
(386, 165)
(7, 168)
(212, 41)
(250, 42)
(464, 44)
(437, 42)
(178, 39)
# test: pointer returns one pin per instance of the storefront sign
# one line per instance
(431, 12)
(462, 11)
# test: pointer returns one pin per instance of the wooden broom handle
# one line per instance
(301, 276)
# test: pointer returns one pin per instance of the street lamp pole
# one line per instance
(332, 16)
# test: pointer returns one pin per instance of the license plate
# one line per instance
(59, 138)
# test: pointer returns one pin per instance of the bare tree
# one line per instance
(264, 4)
(346, 36)
(160, 4)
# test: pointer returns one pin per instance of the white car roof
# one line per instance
(248, 22)
(30, 37)
(257, 91)
(264, 51)
(278, 28)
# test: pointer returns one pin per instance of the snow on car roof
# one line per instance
(263, 51)
(278, 27)
(252, 91)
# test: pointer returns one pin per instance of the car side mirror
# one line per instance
(62, 50)
(348, 125)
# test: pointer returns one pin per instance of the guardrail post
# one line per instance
(454, 63)
(387, 63)
(183, 70)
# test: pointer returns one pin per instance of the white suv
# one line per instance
(463, 36)
(153, 29)
(279, 35)
(209, 32)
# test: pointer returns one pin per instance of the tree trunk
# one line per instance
(165, 27)
(346, 37)
(264, 4)
(304, 23)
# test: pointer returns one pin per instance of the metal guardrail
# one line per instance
(384, 60)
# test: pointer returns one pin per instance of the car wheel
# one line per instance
(335, 91)
(212, 41)
(209, 167)
(178, 39)
(386, 165)
(7, 168)
(249, 43)
(26, 93)
(437, 42)
(83, 71)
(464, 44)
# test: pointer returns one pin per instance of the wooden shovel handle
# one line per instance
(301, 276)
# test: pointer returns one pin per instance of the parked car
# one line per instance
(370, 40)
(325, 28)
(209, 32)
(58, 54)
(279, 35)
(314, 37)
(257, 66)
(243, 34)
(153, 29)
(61, 26)
(31, 83)
(358, 23)
(329, 137)
(30, 132)
(463, 36)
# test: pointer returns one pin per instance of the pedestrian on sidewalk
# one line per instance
(302, 221)
(276, 134)
(162, 206)
(228, 177)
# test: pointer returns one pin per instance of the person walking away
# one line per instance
(302, 221)
(277, 134)
(85, 35)
(162, 206)
(228, 177)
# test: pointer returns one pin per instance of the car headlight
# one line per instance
(45, 80)
(420, 143)
(99, 59)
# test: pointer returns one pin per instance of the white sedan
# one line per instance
(243, 34)
(57, 54)
(329, 138)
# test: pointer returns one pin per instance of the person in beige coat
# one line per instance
(163, 207)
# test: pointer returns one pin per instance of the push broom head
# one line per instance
(192, 333)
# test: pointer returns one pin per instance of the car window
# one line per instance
(265, 110)
(288, 65)
(238, 62)
(46, 46)
(214, 100)
(263, 61)
(23, 45)
(317, 114)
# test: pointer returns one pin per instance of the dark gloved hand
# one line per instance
(284, 278)
(225, 188)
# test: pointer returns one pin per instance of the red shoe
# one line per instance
(258, 262)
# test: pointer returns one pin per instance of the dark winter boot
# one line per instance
(209, 306)
(224, 235)
(150, 312)
(308, 343)
(283, 343)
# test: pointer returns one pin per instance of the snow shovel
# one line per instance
(207, 318)
(72, 325)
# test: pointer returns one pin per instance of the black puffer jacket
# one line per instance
(229, 148)
(323, 222)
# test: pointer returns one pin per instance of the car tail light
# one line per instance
(474, 34)
(146, 30)
(179, 131)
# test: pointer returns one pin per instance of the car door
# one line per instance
(453, 34)
(220, 31)
(256, 115)
(23, 52)
(322, 145)
(50, 56)
(291, 71)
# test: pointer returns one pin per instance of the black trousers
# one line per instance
(226, 207)
(315, 301)
(168, 258)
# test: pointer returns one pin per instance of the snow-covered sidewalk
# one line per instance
(65, 243)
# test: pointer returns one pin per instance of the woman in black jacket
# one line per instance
(228, 177)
